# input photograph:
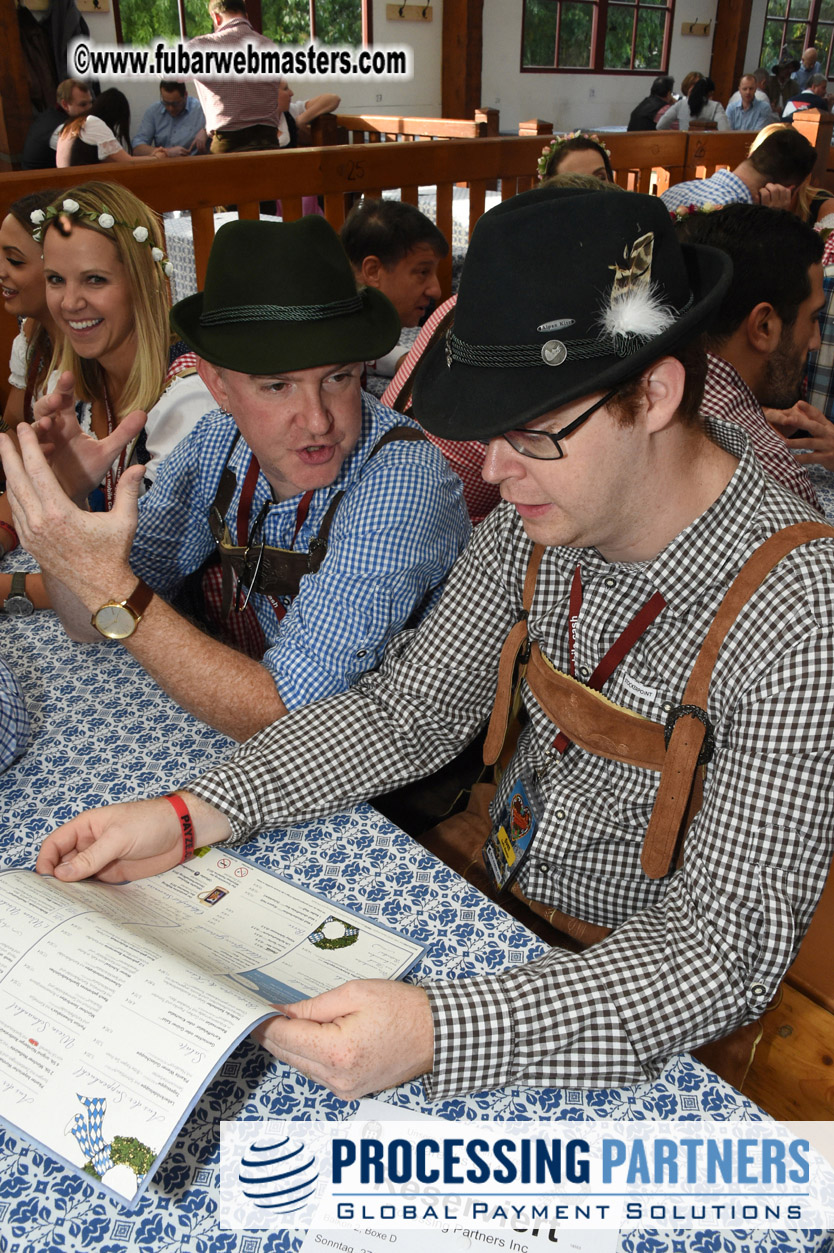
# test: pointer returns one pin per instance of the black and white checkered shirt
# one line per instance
(693, 954)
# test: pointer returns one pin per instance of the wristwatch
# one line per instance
(118, 619)
(17, 604)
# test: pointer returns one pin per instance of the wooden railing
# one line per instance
(360, 128)
(641, 162)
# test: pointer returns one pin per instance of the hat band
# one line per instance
(554, 352)
(282, 313)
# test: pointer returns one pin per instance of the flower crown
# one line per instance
(559, 142)
(40, 218)
(684, 211)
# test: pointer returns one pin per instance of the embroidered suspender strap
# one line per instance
(402, 400)
(516, 648)
(689, 737)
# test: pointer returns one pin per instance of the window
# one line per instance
(285, 21)
(597, 34)
(793, 25)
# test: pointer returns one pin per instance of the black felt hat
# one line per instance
(563, 293)
(282, 296)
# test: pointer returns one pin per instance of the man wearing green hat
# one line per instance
(303, 522)
(670, 798)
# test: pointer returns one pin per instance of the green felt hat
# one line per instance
(281, 296)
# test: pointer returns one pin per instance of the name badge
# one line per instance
(509, 842)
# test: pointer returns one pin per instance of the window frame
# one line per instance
(599, 28)
(811, 24)
(255, 15)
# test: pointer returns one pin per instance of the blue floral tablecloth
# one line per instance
(103, 731)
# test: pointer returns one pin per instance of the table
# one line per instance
(103, 731)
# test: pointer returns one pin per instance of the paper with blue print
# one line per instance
(118, 1003)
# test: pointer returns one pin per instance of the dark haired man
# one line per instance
(644, 116)
(333, 519)
(173, 127)
(573, 357)
(768, 175)
(768, 322)
(395, 248)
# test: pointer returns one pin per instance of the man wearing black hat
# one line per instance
(333, 519)
(625, 520)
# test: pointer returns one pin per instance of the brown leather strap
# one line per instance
(282, 569)
(515, 647)
(689, 731)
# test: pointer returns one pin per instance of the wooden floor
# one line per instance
(792, 1076)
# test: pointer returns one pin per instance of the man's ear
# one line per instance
(664, 381)
(213, 379)
(370, 272)
(764, 328)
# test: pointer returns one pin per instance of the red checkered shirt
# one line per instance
(728, 398)
(233, 103)
(466, 457)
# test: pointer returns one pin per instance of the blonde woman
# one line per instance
(108, 296)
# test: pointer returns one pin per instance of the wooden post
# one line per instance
(15, 102)
(535, 126)
(816, 126)
(729, 45)
(487, 120)
(462, 55)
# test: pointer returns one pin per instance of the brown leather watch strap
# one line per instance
(139, 599)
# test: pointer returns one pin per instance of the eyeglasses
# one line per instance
(542, 445)
(252, 560)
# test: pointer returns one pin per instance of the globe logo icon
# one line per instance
(278, 1176)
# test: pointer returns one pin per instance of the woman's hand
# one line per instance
(78, 461)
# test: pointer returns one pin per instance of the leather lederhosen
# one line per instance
(678, 750)
(281, 570)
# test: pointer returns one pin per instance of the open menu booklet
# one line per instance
(119, 1003)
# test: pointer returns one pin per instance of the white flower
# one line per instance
(70, 206)
(157, 254)
(168, 268)
(140, 234)
(37, 216)
(106, 220)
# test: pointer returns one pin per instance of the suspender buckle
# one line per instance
(692, 711)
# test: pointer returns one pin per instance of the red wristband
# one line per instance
(186, 825)
(4, 526)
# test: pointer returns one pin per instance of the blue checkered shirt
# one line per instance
(14, 720)
(723, 187)
(399, 528)
(820, 390)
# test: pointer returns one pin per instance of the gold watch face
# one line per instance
(114, 621)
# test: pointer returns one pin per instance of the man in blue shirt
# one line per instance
(174, 126)
(749, 113)
(335, 521)
(808, 68)
(768, 176)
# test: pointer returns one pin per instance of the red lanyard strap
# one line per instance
(244, 511)
(640, 623)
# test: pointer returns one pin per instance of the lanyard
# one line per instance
(244, 510)
(640, 623)
(111, 479)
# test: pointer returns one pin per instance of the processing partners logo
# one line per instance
(458, 1177)
(279, 1176)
